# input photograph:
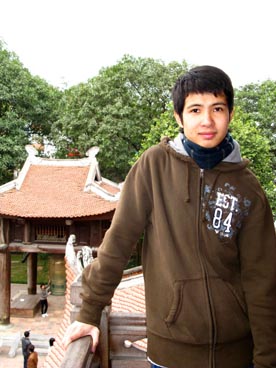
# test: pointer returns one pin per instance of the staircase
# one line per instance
(13, 341)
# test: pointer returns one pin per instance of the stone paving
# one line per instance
(38, 325)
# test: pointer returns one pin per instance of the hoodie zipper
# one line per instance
(206, 280)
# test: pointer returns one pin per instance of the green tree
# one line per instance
(28, 107)
(13, 138)
(163, 126)
(258, 101)
(114, 110)
(255, 146)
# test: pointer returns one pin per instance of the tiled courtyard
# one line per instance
(39, 326)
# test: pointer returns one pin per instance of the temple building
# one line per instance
(49, 200)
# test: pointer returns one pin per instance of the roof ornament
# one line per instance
(92, 152)
(31, 150)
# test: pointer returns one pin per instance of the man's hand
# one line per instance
(79, 329)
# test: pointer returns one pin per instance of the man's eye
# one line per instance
(195, 110)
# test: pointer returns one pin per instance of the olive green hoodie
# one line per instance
(209, 261)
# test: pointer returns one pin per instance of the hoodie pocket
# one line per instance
(189, 318)
(231, 319)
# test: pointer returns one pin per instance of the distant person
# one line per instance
(25, 342)
(51, 343)
(33, 357)
(43, 299)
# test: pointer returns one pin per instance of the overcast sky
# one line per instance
(67, 42)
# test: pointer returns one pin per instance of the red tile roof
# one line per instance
(58, 191)
(129, 299)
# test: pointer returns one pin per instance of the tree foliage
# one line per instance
(255, 146)
(13, 138)
(258, 101)
(163, 126)
(114, 110)
(27, 108)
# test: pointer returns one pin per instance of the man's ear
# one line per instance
(178, 119)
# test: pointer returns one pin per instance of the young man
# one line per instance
(43, 299)
(25, 343)
(209, 241)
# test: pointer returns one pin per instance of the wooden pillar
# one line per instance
(31, 261)
(27, 232)
(32, 273)
(5, 272)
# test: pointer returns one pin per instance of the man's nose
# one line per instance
(207, 118)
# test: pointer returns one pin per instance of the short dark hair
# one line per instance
(27, 333)
(202, 79)
(51, 341)
(31, 348)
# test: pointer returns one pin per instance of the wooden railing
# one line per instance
(112, 351)
(78, 354)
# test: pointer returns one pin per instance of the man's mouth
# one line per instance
(207, 135)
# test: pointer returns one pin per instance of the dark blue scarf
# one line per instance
(207, 158)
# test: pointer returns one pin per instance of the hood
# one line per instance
(177, 145)
(177, 148)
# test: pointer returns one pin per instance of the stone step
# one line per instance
(41, 343)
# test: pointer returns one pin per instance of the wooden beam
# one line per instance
(104, 339)
(78, 353)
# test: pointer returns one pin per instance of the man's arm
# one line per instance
(257, 244)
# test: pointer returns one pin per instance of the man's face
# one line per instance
(205, 119)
